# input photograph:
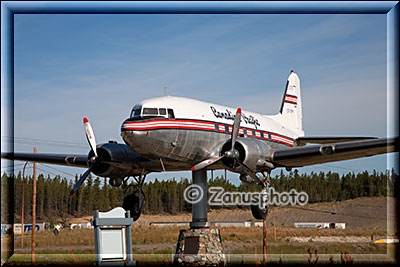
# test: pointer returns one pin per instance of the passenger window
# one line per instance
(253, 133)
(171, 114)
(226, 128)
(244, 131)
(216, 126)
(162, 111)
(150, 111)
(262, 135)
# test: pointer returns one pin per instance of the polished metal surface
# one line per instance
(182, 149)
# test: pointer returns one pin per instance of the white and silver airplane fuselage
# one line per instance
(182, 131)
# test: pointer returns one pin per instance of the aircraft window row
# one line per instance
(252, 133)
(151, 112)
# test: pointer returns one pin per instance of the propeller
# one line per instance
(81, 180)
(229, 154)
(232, 154)
(90, 135)
(236, 127)
(206, 163)
(92, 144)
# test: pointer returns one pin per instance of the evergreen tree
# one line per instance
(96, 194)
(105, 197)
(53, 198)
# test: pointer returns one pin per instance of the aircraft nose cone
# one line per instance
(132, 133)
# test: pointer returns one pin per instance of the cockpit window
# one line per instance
(171, 114)
(150, 111)
(136, 111)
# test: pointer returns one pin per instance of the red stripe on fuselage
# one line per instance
(198, 125)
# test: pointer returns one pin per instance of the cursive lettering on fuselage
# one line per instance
(228, 115)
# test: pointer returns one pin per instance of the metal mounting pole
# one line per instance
(23, 206)
(33, 249)
(265, 240)
(199, 209)
(273, 212)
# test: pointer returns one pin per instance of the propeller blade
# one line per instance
(90, 135)
(81, 180)
(206, 163)
(236, 127)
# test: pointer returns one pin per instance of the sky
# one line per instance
(98, 66)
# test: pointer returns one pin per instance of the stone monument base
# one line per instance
(199, 247)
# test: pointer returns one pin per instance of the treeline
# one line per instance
(54, 200)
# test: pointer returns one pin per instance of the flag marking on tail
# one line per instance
(292, 99)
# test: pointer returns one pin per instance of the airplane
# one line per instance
(179, 134)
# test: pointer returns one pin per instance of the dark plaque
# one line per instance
(191, 245)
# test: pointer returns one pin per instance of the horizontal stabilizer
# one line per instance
(302, 141)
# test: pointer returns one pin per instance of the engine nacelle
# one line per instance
(121, 154)
(253, 153)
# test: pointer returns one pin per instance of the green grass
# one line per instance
(53, 258)
(169, 234)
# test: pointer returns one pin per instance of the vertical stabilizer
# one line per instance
(290, 115)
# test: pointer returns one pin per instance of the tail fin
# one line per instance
(290, 114)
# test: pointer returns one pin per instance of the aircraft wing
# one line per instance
(317, 154)
(302, 141)
(60, 159)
